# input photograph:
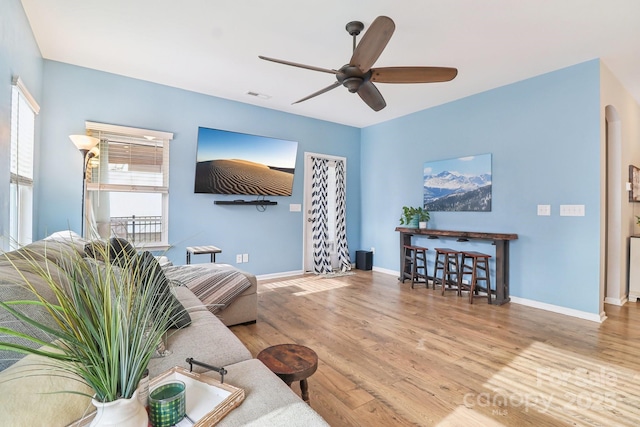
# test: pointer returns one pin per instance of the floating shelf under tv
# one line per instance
(245, 202)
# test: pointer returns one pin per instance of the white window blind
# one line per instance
(128, 184)
(129, 164)
(23, 113)
(22, 134)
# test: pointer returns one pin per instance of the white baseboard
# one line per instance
(603, 317)
(386, 271)
(616, 301)
(279, 275)
(561, 310)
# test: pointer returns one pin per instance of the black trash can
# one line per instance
(364, 260)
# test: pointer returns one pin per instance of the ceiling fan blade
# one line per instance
(413, 74)
(320, 92)
(372, 43)
(371, 96)
(294, 64)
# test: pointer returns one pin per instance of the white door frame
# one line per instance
(308, 169)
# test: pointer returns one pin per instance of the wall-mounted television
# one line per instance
(238, 163)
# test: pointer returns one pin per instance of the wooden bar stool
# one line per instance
(447, 262)
(479, 263)
(414, 265)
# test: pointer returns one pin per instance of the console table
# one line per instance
(501, 241)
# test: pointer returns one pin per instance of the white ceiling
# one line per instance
(212, 47)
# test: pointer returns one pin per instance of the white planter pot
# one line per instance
(422, 224)
(121, 412)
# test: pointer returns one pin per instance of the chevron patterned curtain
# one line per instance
(341, 224)
(319, 212)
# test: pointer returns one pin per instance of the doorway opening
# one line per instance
(327, 220)
(614, 288)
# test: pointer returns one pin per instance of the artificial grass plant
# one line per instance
(110, 317)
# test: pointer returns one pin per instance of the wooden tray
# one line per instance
(208, 400)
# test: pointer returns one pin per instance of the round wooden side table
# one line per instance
(291, 362)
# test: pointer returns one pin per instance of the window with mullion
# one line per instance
(128, 190)
(23, 115)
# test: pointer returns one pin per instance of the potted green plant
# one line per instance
(414, 217)
(109, 318)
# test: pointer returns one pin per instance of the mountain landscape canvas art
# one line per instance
(462, 184)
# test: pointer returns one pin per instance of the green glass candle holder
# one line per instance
(167, 404)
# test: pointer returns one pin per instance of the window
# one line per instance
(23, 117)
(128, 185)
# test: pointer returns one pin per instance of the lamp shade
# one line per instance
(84, 142)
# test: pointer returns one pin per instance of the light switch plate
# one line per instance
(571, 210)
(295, 207)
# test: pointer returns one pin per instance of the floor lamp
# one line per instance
(84, 143)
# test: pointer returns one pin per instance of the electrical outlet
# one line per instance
(373, 250)
(544, 210)
(245, 257)
(239, 259)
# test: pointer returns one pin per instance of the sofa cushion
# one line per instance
(268, 400)
(40, 251)
(21, 271)
(188, 300)
(32, 395)
(207, 340)
(69, 238)
(17, 292)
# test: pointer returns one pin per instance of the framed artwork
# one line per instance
(462, 184)
(634, 178)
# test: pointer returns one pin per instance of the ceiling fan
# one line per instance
(358, 76)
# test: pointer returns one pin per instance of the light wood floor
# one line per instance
(395, 356)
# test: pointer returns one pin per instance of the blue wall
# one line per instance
(543, 134)
(544, 137)
(19, 56)
(273, 239)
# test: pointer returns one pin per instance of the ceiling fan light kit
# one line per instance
(358, 76)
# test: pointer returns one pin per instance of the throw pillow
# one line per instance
(150, 266)
(97, 249)
(31, 394)
(120, 249)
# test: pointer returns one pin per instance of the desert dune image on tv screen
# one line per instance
(236, 163)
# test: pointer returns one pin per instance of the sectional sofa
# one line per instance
(31, 395)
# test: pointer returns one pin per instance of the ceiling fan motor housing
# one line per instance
(352, 77)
